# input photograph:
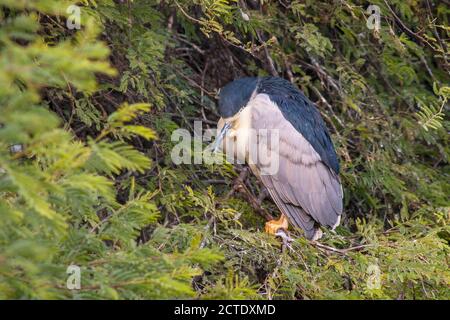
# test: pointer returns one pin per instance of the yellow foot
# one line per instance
(273, 226)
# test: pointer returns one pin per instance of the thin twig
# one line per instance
(340, 251)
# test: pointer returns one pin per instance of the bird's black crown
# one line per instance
(236, 95)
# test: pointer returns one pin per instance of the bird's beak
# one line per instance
(220, 137)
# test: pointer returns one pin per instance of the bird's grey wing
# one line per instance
(303, 187)
(296, 214)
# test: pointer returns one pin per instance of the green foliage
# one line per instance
(56, 207)
(432, 116)
(86, 177)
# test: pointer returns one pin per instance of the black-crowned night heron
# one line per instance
(305, 185)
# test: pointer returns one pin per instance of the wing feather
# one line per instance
(295, 214)
(304, 187)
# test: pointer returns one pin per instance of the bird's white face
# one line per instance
(233, 133)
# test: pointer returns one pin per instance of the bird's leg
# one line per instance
(273, 226)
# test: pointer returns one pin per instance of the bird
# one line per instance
(306, 185)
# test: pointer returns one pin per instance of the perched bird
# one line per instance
(305, 185)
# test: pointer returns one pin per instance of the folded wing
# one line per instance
(304, 188)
